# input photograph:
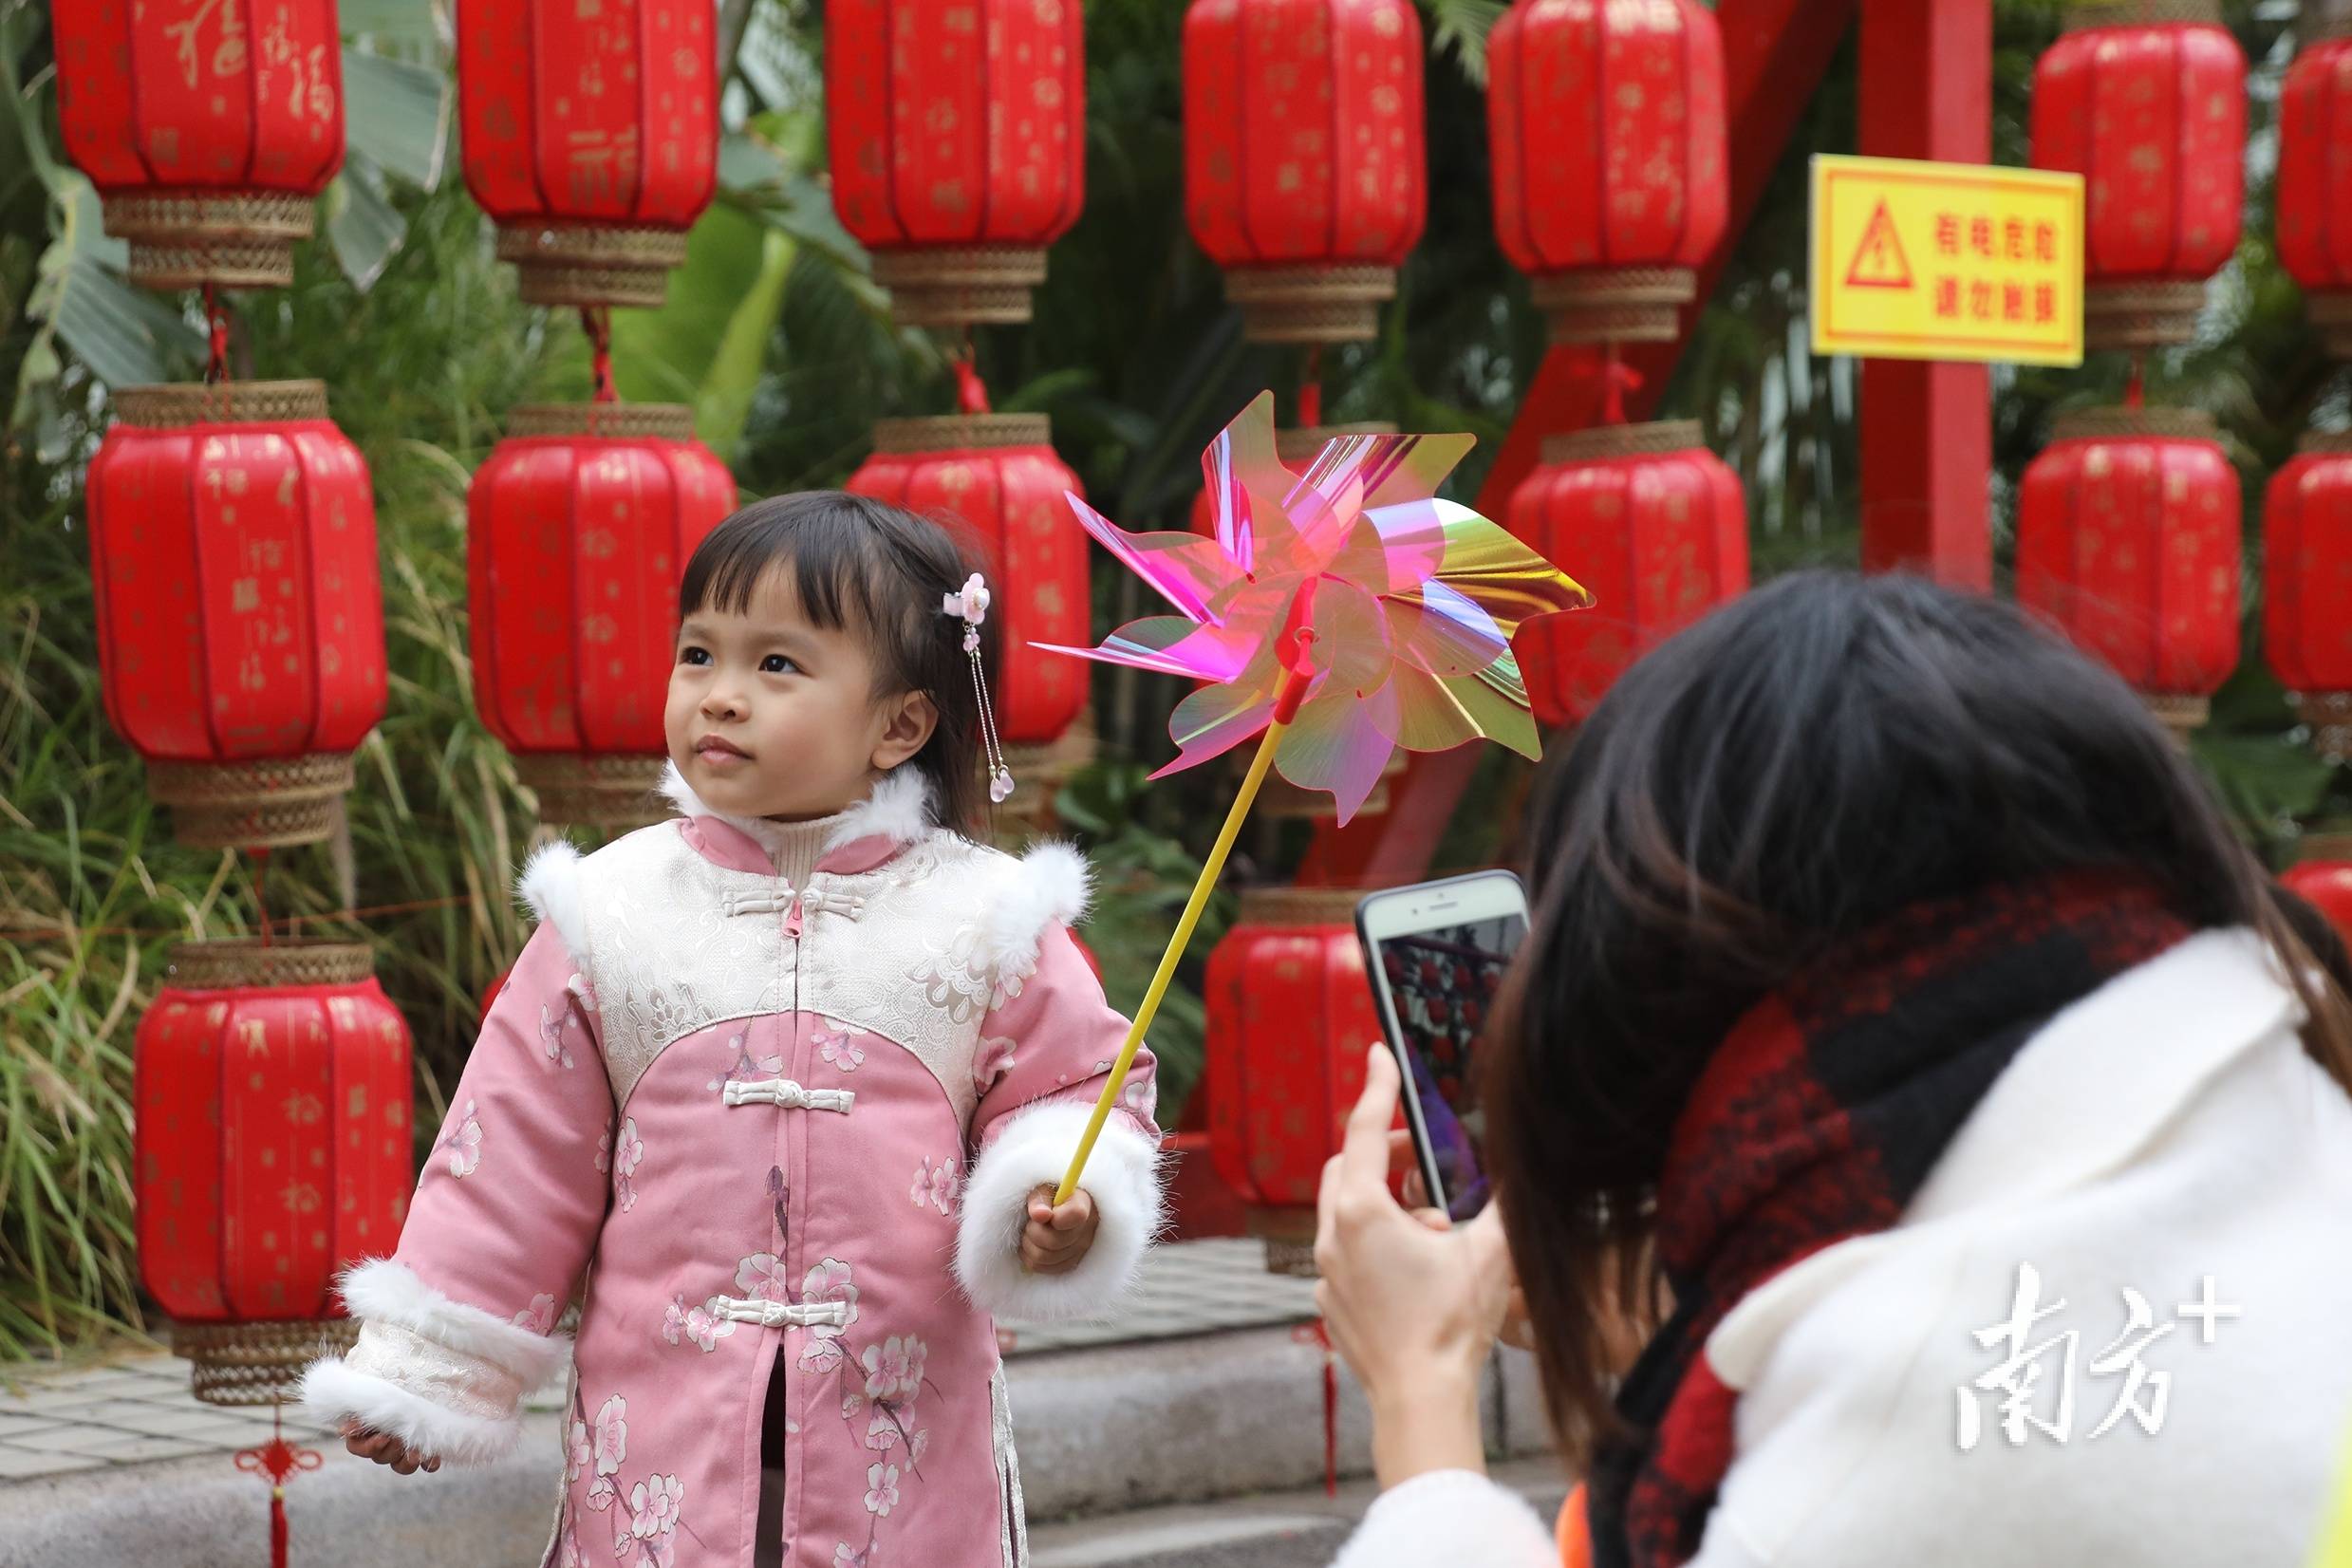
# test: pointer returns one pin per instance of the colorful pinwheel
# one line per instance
(1344, 612)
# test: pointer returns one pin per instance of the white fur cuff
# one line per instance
(333, 1389)
(1124, 1179)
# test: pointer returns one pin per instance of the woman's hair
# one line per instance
(878, 572)
(1778, 779)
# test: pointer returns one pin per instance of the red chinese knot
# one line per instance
(2146, 101)
(1653, 524)
(1290, 1016)
(957, 134)
(579, 527)
(2128, 539)
(2315, 181)
(271, 1086)
(208, 126)
(2306, 586)
(240, 620)
(1304, 164)
(590, 134)
(1607, 128)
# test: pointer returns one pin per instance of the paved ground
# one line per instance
(137, 1408)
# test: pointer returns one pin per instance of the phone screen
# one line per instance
(1443, 982)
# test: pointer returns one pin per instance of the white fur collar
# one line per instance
(899, 810)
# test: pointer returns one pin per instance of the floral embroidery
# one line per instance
(577, 1454)
(847, 1556)
(604, 1151)
(703, 1325)
(626, 1155)
(539, 1317)
(745, 1067)
(994, 1061)
(1137, 1097)
(837, 1046)
(653, 1506)
(935, 1186)
(552, 1026)
(601, 1493)
(760, 1276)
(578, 986)
(881, 1489)
(828, 1281)
(612, 1437)
(464, 1141)
(954, 980)
(894, 1369)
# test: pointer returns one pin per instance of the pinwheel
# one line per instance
(1337, 615)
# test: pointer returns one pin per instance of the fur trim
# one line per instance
(899, 809)
(331, 1390)
(1033, 1150)
(1449, 1515)
(1050, 885)
(390, 1292)
(550, 887)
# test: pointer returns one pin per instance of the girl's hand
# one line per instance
(1413, 1306)
(1057, 1240)
(386, 1449)
(1515, 1330)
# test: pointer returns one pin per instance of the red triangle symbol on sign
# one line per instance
(1879, 261)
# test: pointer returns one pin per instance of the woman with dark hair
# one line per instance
(1899, 1005)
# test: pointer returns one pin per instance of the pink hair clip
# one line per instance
(969, 604)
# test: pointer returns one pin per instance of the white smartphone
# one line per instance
(1435, 953)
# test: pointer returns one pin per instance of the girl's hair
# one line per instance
(880, 571)
(1819, 755)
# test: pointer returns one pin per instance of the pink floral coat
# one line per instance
(779, 1102)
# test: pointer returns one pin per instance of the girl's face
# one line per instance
(769, 715)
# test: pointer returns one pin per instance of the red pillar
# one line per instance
(1927, 428)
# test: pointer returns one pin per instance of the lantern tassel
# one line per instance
(597, 320)
(971, 392)
(277, 1459)
(216, 335)
(1311, 389)
(277, 1527)
(1297, 674)
(1617, 378)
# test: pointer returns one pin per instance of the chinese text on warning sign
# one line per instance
(1946, 261)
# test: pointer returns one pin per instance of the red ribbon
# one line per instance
(597, 320)
(1617, 379)
(971, 392)
(217, 331)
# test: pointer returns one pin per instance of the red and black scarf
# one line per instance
(1818, 1120)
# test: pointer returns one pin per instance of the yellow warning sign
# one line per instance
(1946, 261)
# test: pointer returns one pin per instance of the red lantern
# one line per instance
(1290, 1017)
(2325, 882)
(957, 134)
(2306, 586)
(1304, 168)
(240, 622)
(579, 527)
(1648, 519)
(2146, 100)
(590, 134)
(273, 1151)
(2315, 179)
(208, 129)
(2128, 538)
(997, 475)
(1607, 124)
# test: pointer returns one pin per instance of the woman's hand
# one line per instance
(386, 1449)
(1413, 1306)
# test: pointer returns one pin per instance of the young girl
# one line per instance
(788, 1079)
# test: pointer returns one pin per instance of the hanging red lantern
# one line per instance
(209, 130)
(1305, 174)
(1653, 524)
(1607, 125)
(2324, 879)
(2307, 588)
(240, 621)
(273, 1151)
(957, 134)
(2315, 177)
(2128, 539)
(590, 135)
(579, 526)
(2146, 101)
(998, 475)
(1290, 1017)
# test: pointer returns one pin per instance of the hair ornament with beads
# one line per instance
(970, 606)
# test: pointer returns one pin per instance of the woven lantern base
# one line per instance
(2120, 317)
(185, 241)
(1289, 1237)
(611, 421)
(2085, 15)
(596, 791)
(584, 264)
(2182, 715)
(962, 432)
(1038, 774)
(1603, 441)
(257, 1363)
(1620, 305)
(249, 965)
(961, 286)
(2328, 714)
(1311, 304)
(260, 804)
